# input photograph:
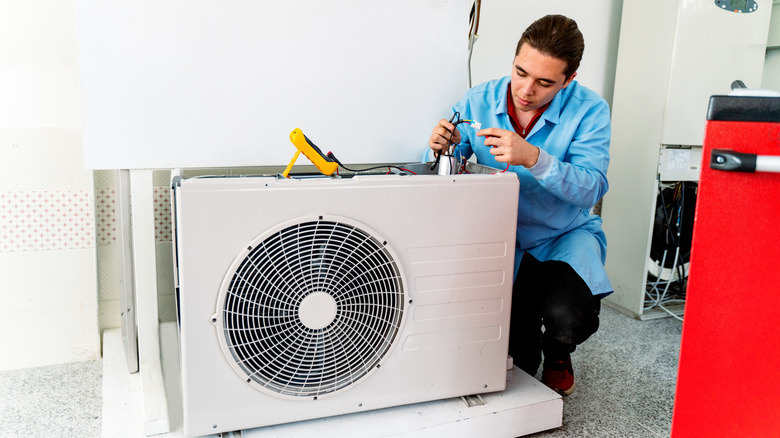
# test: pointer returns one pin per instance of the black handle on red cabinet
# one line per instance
(726, 159)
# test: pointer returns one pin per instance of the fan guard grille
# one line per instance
(311, 308)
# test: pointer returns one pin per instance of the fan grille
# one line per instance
(312, 308)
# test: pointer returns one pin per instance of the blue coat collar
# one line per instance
(551, 115)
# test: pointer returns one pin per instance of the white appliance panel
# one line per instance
(453, 238)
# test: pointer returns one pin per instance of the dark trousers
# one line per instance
(551, 295)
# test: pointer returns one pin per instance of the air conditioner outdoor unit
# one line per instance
(311, 297)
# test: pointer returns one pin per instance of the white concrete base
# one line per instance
(525, 407)
(123, 400)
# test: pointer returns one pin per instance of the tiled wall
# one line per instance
(108, 252)
(59, 257)
(45, 220)
(108, 248)
(108, 255)
(48, 288)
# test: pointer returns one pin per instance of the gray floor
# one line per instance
(53, 401)
(625, 374)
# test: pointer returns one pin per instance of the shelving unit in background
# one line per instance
(672, 57)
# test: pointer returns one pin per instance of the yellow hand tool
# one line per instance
(324, 163)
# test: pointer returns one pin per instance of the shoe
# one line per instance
(559, 376)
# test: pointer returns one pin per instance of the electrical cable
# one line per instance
(437, 154)
(463, 162)
(455, 120)
(681, 275)
(654, 296)
(473, 35)
(662, 307)
(507, 164)
(667, 219)
(333, 157)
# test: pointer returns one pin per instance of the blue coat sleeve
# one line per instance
(579, 177)
(464, 147)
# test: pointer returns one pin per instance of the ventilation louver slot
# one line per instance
(311, 308)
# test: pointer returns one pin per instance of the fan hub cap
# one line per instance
(317, 310)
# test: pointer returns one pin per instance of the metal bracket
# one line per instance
(472, 400)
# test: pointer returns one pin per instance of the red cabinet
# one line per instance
(729, 369)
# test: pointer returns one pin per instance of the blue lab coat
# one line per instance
(553, 215)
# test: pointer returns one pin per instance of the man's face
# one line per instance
(536, 78)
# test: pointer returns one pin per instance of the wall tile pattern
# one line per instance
(106, 214)
(45, 220)
(162, 214)
(47, 249)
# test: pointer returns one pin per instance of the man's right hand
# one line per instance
(443, 134)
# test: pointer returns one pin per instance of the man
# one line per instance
(554, 134)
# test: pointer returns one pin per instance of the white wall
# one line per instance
(649, 68)
(771, 78)
(38, 69)
(54, 247)
(48, 293)
(502, 23)
(223, 84)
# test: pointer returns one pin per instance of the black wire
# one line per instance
(333, 157)
(439, 153)
(667, 219)
(455, 121)
(681, 264)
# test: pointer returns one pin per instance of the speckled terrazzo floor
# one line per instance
(626, 375)
(52, 401)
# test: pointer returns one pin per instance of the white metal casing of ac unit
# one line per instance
(452, 238)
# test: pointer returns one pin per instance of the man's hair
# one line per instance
(556, 36)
